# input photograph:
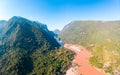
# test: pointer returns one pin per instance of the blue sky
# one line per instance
(57, 13)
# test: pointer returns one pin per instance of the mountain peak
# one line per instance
(19, 18)
(16, 17)
(25, 44)
(21, 30)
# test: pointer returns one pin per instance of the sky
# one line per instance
(57, 13)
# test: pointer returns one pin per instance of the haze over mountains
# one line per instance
(102, 39)
(29, 48)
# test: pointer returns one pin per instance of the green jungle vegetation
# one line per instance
(29, 48)
(20, 62)
(101, 38)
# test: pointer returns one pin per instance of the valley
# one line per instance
(94, 48)
(59, 37)
(101, 39)
(80, 63)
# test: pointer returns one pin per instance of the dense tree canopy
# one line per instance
(29, 48)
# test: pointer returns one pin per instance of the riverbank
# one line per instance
(81, 61)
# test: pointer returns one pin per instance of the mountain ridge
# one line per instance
(29, 48)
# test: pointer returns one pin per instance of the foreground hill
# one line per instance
(101, 38)
(29, 48)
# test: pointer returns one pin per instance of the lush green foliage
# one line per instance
(101, 38)
(29, 48)
(19, 62)
(53, 62)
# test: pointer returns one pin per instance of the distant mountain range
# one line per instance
(57, 31)
(29, 48)
(101, 38)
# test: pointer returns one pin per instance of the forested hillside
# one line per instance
(29, 48)
(101, 38)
